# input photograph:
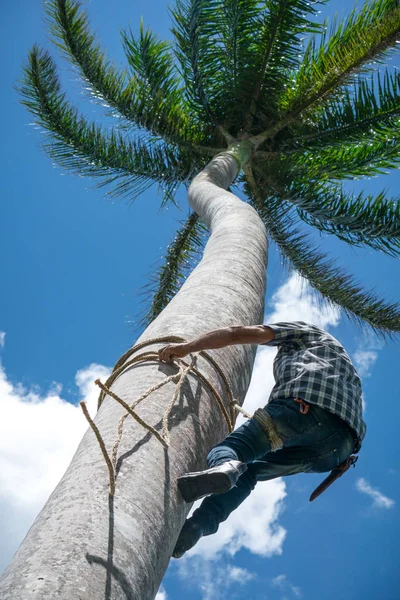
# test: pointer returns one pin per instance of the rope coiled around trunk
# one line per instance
(185, 369)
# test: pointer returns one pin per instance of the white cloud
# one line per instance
(364, 360)
(240, 575)
(253, 526)
(214, 579)
(38, 436)
(365, 356)
(379, 500)
(161, 594)
(2, 338)
(295, 301)
(282, 583)
(262, 381)
(366, 353)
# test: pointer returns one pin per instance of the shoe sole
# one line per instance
(193, 486)
(188, 538)
(178, 553)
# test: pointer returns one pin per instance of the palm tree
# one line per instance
(264, 93)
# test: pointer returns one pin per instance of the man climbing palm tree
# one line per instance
(312, 422)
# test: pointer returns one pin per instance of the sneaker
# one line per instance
(216, 480)
(189, 536)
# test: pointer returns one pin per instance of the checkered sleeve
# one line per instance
(296, 331)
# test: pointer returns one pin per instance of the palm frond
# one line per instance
(130, 166)
(365, 37)
(234, 53)
(69, 26)
(328, 279)
(236, 30)
(182, 256)
(157, 88)
(368, 111)
(333, 283)
(134, 97)
(279, 49)
(374, 156)
(197, 51)
(357, 219)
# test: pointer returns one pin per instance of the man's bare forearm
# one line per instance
(229, 336)
(220, 338)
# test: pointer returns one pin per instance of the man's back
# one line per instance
(312, 365)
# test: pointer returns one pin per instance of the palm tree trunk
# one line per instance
(85, 545)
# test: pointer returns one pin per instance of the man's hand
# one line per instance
(168, 352)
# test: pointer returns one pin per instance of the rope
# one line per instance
(123, 364)
(266, 422)
(97, 433)
(131, 412)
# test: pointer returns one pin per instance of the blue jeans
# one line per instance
(315, 442)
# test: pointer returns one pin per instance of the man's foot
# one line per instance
(189, 536)
(216, 480)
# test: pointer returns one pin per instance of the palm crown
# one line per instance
(308, 103)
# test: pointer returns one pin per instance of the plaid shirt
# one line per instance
(312, 365)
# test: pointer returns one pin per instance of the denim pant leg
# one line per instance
(247, 443)
(217, 508)
(310, 444)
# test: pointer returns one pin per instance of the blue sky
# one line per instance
(73, 265)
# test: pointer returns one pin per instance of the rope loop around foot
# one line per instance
(185, 369)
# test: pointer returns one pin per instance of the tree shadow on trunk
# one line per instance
(112, 572)
(178, 414)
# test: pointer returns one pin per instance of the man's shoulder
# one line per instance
(303, 328)
(299, 325)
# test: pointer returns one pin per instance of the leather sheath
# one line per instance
(334, 474)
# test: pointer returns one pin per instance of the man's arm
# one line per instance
(228, 336)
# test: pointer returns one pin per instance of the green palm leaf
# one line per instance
(329, 280)
(357, 219)
(182, 256)
(281, 26)
(234, 24)
(368, 111)
(332, 282)
(253, 47)
(131, 166)
(193, 29)
(70, 29)
(373, 156)
(150, 97)
(156, 86)
(366, 36)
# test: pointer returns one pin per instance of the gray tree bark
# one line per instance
(85, 545)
